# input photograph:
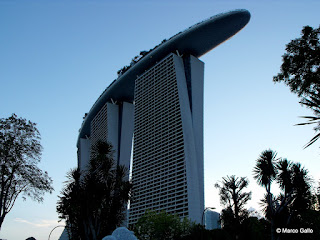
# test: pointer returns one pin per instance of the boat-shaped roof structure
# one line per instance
(196, 40)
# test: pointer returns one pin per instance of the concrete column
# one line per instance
(126, 134)
(189, 143)
(84, 154)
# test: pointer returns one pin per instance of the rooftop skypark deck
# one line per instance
(196, 40)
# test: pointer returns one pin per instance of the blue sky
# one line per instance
(58, 56)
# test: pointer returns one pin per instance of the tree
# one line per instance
(69, 206)
(295, 185)
(234, 199)
(265, 172)
(317, 200)
(162, 226)
(254, 228)
(94, 202)
(20, 152)
(300, 71)
(313, 103)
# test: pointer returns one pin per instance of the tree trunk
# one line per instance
(272, 229)
(86, 230)
(1, 220)
(92, 229)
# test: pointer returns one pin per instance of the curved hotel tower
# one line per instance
(159, 101)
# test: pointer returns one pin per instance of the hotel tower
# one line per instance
(156, 106)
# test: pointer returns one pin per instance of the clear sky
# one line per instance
(56, 58)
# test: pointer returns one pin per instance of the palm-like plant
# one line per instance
(267, 209)
(68, 204)
(94, 202)
(284, 175)
(233, 197)
(294, 182)
(314, 104)
(302, 188)
(265, 173)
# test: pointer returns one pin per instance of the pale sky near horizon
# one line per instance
(56, 58)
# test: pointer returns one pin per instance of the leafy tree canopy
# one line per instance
(300, 68)
(300, 71)
(20, 152)
(162, 226)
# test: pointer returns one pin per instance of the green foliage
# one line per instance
(253, 228)
(317, 199)
(308, 219)
(300, 68)
(264, 171)
(20, 152)
(300, 71)
(137, 58)
(228, 220)
(216, 234)
(94, 202)
(162, 226)
(314, 104)
(295, 197)
(198, 232)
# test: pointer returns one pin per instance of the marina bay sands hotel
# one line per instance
(156, 106)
